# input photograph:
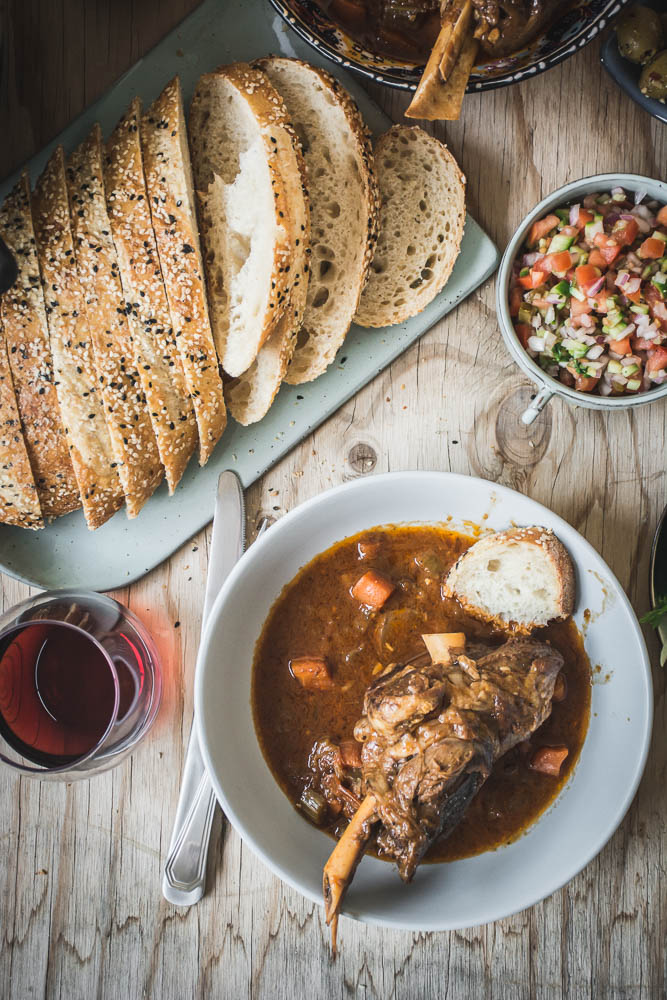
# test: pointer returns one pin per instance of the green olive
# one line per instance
(653, 81)
(640, 34)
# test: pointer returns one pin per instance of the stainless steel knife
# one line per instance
(184, 877)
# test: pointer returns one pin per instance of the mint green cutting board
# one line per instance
(66, 553)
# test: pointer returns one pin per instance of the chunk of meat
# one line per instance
(549, 760)
(350, 753)
(373, 589)
(312, 673)
(560, 688)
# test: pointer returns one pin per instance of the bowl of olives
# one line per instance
(636, 55)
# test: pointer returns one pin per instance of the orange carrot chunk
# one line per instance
(549, 760)
(350, 753)
(312, 673)
(373, 589)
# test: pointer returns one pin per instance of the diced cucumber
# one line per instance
(576, 348)
(639, 310)
(576, 292)
(560, 243)
(629, 370)
(658, 235)
(564, 215)
(615, 367)
(562, 288)
(525, 314)
(524, 272)
(633, 384)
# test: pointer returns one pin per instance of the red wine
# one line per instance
(57, 692)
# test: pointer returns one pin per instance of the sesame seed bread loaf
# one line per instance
(80, 401)
(251, 395)
(23, 317)
(129, 425)
(243, 208)
(519, 579)
(19, 502)
(164, 143)
(344, 207)
(156, 353)
(421, 228)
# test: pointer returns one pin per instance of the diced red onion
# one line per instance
(632, 285)
(587, 320)
(553, 299)
(642, 212)
(617, 190)
(619, 379)
(604, 388)
(531, 258)
(574, 214)
(622, 278)
(536, 344)
(643, 224)
(639, 196)
(595, 352)
(626, 331)
(596, 286)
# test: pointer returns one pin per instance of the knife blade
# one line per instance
(184, 878)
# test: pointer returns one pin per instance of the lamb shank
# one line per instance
(430, 733)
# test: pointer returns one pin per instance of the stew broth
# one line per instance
(315, 615)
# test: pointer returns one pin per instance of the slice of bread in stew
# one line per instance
(522, 579)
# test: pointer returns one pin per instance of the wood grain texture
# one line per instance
(81, 912)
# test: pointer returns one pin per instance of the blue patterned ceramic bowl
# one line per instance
(576, 28)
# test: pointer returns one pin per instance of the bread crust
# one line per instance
(371, 313)
(156, 353)
(130, 429)
(269, 112)
(173, 211)
(23, 315)
(19, 502)
(555, 552)
(251, 395)
(76, 378)
(312, 357)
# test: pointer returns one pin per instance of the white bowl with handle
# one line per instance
(547, 386)
(460, 893)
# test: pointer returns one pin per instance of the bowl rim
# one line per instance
(547, 383)
(475, 86)
(552, 883)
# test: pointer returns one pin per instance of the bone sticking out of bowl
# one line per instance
(342, 864)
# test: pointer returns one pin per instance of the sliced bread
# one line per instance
(129, 425)
(421, 228)
(19, 502)
(164, 143)
(81, 404)
(23, 316)
(522, 578)
(251, 395)
(344, 207)
(244, 209)
(156, 354)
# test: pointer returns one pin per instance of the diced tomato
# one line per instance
(586, 276)
(657, 359)
(662, 216)
(652, 248)
(523, 332)
(583, 217)
(555, 262)
(607, 247)
(585, 383)
(516, 299)
(532, 280)
(373, 589)
(578, 308)
(549, 760)
(657, 305)
(625, 232)
(595, 259)
(599, 300)
(621, 346)
(570, 231)
(641, 344)
(542, 228)
(312, 673)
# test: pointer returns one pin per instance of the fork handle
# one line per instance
(185, 869)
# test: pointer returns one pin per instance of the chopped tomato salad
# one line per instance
(588, 295)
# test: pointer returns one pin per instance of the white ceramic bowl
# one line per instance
(462, 893)
(548, 386)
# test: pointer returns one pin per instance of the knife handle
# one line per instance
(185, 869)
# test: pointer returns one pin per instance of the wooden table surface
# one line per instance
(81, 912)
